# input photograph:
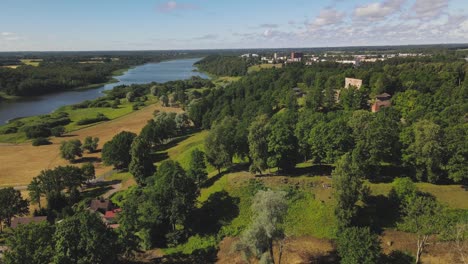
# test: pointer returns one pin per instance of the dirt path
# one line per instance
(20, 163)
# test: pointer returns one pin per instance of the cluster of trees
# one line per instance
(80, 238)
(224, 65)
(424, 131)
(50, 77)
(60, 186)
(71, 149)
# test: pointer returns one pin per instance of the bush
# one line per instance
(137, 106)
(37, 131)
(8, 130)
(57, 131)
(99, 118)
(41, 141)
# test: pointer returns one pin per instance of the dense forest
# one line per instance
(56, 73)
(225, 65)
(429, 99)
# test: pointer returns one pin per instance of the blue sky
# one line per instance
(207, 24)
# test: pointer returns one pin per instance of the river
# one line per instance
(152, 72)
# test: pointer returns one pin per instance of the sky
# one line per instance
(69, 25)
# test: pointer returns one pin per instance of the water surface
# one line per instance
(151, 72)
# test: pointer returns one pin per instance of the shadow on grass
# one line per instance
(234, 168)
(218, 210)
(95, 192)
(328, 258)
(198, 256)
(160, 156)
(379, 213)
(87, 159)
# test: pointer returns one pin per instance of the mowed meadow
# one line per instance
(21, 162)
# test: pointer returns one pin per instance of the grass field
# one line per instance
(75, 115)
(259, 67)
(21, 162)
(31, 62)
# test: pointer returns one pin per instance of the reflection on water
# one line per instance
(151, 72)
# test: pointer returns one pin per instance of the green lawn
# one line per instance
(259, 67)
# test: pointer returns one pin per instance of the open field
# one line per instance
(11, 66)
(31, 62)
(20, 163)
(259, 67)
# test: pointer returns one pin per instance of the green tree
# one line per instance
(424, 149)
(422, 215)
(117, 151)
(282, 143)
(258, 145)
(164, 100)
(30, 244)
(358, 245)
(220, 143)
(268, 208)
(11, 204)
(348, 187)
(403, 189)
(456, 140)
(130, 96)
(35, 191)
(90, 144)
(89, 173)
(84, 238)
(197, 170)
(175, 193)
(141, 164)
(71, 149)
(182, 122)
(57, 131)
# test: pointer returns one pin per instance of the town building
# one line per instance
(357, 83)
(381, 100)
(17, 221)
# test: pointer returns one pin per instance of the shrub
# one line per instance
(57, 131)
(36, 131)
(99, 118)
(8, 130)
(41, 141)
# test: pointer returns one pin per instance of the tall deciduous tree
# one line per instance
(30, 244)
(358, 245)
(282, 143)
(220, 143)
(258, 144)
(348, 186)
(117, 151)
(141, 164)
(11, 204)
(424, 149)
(35, 191)
(84, 238)
(71, 149)
(197, 170)
(422, 215)
(268, 208)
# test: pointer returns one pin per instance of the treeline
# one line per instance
(53, 77)
(224, 65)
(424, 134)
(58, 73)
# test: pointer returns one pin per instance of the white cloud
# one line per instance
(378, 11)
(171, 6)
(327, 17)
(429, 9)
